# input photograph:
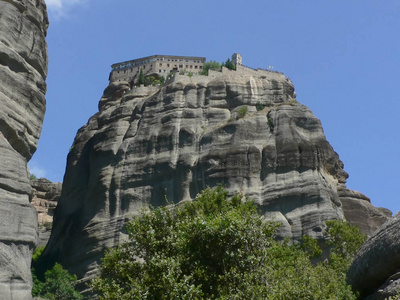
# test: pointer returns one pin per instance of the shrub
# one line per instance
(259, 106)
(241, 112)
(271, 124)
(37, 252)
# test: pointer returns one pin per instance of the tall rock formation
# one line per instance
(243, 129)
(23, 70)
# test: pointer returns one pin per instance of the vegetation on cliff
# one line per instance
(212, 64)
(221, 248)
(58, 284)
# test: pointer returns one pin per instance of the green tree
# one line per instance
(58, 285)
(149, 80)
(212, 64)
(215, 247)
(344, 240)
(229, 64)
(141, 77)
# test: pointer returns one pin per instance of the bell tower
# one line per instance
(237, 59)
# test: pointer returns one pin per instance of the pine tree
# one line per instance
(141, 77)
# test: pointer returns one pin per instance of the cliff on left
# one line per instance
(23, 70)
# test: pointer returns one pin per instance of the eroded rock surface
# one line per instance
(245, 131)
(23, 69)
(375, 271)
(45, 195)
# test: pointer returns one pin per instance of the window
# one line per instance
(168, 64)
(191, 66)
(159, 71)
(160, 65)
(195, 67)
(180, 66)
(201, 67)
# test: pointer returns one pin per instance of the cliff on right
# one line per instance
(375, 271)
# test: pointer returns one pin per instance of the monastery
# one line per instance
(162, 65)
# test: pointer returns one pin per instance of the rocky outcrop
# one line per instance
(359, 211)
(147, 144)
(375, 271)
(45, 195)
(23, 69)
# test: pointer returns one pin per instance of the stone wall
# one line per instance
(160, 65)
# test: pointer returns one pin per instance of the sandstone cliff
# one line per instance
(244, 130)
(23, 70)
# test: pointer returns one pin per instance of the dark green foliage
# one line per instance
(149, 80)
(271, 124)
(170, 75)
(58, 285)
(37, 252)
(229, 64)
(219, 248)
(32, 177)
(48, 225)
(37, 287)
(141, 77)
(259, 106)
(212, 64)
(345, 240)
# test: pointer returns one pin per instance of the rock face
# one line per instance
(23, 70)
(242, 129)
(375, 271)
(45, 195)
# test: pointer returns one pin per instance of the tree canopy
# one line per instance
(212, 64)
(217, 247)
(58, 285)
(229, 64)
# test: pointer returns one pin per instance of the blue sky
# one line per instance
(342, 56)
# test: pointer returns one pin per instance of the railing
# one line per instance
(261, 69)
